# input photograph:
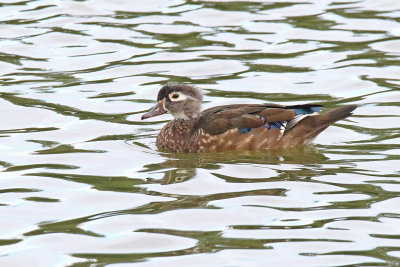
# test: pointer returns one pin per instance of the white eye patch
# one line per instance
(177, 96)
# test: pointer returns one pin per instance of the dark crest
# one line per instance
(175, 87)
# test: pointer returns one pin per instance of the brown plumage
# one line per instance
(242, 126)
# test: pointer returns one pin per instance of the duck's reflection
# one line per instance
(180, 167)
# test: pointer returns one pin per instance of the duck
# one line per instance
(236, 126)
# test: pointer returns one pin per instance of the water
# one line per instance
(82, 182)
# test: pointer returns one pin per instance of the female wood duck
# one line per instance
(241, 126)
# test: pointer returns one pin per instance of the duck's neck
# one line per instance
(183, 116)
(186, 115)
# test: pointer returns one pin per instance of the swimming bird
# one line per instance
(237, 126)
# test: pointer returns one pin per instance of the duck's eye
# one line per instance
(174, 96)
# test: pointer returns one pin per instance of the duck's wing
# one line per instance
(309, 127)
(220, 119)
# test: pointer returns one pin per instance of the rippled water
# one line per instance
(82, 182)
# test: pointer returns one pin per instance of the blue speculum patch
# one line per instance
(307, 110)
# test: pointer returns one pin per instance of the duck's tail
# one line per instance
(308, 128)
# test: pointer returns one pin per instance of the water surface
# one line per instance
(82, 182)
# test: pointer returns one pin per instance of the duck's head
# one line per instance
(180, 100)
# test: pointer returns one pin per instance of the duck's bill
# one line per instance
(156, 111)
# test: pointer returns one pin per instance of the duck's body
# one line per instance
(229, 127)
